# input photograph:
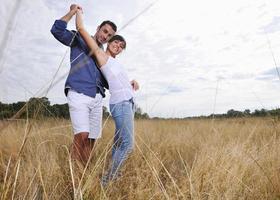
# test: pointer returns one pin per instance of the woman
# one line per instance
(121, 99)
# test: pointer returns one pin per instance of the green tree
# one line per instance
(139, 114)
(247, 112)
(105, 113)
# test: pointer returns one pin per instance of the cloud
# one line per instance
(30, 56)
(273, 26)
(176, 50)
(270, 74)
(176, 89)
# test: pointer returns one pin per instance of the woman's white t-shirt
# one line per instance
(119, 84)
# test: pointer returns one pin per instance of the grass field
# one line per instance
(172, 159)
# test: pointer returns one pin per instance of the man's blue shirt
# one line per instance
(84, 76)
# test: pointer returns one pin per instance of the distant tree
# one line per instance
(275, 112)
(234, 113)
(5, 114)
(38, 107)
(59, 110)
(105, 112)
(260, 113)
(139, 113)
(247, 112)
(64, 111)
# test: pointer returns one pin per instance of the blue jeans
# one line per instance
(123, 115)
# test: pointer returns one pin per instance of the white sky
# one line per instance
(181, 52)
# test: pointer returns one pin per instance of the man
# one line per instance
(85, 84)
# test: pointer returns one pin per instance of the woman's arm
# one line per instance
(99, 54)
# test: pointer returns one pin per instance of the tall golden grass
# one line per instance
(173, 159)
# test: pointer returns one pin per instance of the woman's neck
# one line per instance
(110, 54)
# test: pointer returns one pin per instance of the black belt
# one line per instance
(66, 90)
(98, 91)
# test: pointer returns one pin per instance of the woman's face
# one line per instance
(116, 47)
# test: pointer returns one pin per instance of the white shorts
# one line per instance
(85, 113)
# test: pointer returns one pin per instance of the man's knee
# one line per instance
(81, 138)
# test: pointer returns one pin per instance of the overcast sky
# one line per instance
(191, 57)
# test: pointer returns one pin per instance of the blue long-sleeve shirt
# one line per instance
(84, 76)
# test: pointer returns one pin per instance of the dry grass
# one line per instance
(173, 159)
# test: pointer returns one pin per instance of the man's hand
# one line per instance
(73, 10)
(134, 85)
(75, 7)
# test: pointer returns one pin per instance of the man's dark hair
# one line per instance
(118, 37)
(112, 24)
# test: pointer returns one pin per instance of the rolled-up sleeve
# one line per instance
(60, 32)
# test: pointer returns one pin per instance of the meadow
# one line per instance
(172, 159)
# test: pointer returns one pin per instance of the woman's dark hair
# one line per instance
(118, 37)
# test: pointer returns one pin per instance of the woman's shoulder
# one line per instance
(113, 61)
(112, 65)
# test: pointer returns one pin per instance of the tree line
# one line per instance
(41, 107)
(236, 114)
(246, 113)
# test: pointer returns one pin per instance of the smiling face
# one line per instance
(104, 33)
(115, 47)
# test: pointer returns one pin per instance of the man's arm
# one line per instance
(59, 29)
(69, 15)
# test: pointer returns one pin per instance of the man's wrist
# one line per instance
(72, 12)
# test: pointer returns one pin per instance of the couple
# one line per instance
(91, 68)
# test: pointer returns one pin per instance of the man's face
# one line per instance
(104, 33)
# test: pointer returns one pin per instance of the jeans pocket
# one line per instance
(116, 110)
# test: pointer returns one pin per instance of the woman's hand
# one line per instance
(135, 85)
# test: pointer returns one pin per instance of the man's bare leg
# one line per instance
(82, 147)
(89, 144)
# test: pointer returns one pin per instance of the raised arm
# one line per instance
(59, 28)
(69, 15)
(95, 51)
